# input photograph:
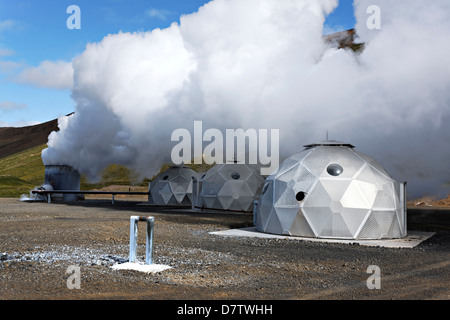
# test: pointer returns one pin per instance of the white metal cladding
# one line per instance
(173, 186)
(331, 191)
(230, 186)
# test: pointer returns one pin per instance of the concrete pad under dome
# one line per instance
(413, 238)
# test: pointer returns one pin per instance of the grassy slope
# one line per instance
(22, 171)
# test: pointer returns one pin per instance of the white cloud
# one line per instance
(161, 14)
(49, 74)
(6, 52)
(6, 106)
(17, 124)
(6, 24)
(7, 66)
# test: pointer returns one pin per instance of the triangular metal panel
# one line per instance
(300, 226)
(273, 225)
(166, 193)
(335, 228)
(318, 217)
(353, 219)
(286, 216)
(385, 219)
(370, 229)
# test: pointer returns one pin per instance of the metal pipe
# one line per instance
(149, 241)
(194, 193)
(148, 192)
(133, 238)
(403, 200)
(88, 192)
(149, 238)
(255, 211)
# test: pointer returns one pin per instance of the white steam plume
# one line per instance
(263, 64)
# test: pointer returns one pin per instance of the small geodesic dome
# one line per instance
(329, 190)
(230, 187)
(173, 186)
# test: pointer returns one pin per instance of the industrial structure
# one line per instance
(62, 177)
(229, 187)
(173, 187)
(329, 190)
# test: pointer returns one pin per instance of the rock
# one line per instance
(3, 256)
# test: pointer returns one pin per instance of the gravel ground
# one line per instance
(39, 241)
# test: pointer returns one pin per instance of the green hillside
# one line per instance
(23, 171)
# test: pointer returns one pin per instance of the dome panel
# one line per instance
(368, 190)
(335, 227)
(370, 229)
(300, 156)
(229, 171)
(231, 188)
(225, 201)
(300, 226)
(354, 219)
(302, 174)
(347, 160)
(273, 225)
(286, 216)
(395, 231)
(374, 164)
(354, 198)
(265, 206)
(385, 198)
(317, 197)
(284, 193)
(317, 217)
(285, 166)
(335, 188)
(317, 161)
(166, 193)
(385, 220)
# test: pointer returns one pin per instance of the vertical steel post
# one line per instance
(255, 211)
(149, 239)
(194, 192)
(133, 238)
(148, 193)
(403, 200)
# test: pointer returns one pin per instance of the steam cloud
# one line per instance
(263, 64)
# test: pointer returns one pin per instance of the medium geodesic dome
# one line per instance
(229, 186)
(173, 186)
(329, 190)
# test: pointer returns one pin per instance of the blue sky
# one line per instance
(32, 32)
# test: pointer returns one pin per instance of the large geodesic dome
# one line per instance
(173, 186)
(230, 187)
(329, 190)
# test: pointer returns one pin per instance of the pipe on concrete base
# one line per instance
(149, 239)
